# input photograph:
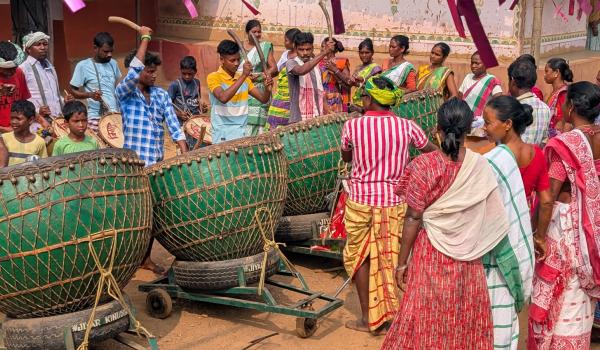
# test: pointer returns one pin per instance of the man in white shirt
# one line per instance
(40, 75)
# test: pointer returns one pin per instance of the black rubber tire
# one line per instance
(214, 275)
(298, 227)
(48, 332)
(306, 327)
(159, 303)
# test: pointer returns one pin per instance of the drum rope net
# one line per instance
(112, 289)
(269, 244)
(204, 204)
(48, 215)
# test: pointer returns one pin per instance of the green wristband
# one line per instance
(146, 36)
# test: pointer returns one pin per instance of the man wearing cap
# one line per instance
(40, 75)
(13, 86)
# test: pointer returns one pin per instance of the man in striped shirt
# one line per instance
(522, 75)
(377, 145)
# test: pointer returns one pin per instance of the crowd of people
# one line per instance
(470, 239)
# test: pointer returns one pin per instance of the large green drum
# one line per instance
(54, 214)
(421, 106)
(211, 204)
(312, 149)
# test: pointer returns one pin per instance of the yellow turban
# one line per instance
(385, 97)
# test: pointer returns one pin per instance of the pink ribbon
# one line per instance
(189, 5)
(558, 12)
(75, 5)
(585, 6)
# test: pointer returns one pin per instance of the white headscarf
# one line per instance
(7, 64)
(30, 39)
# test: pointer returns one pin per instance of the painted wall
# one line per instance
(559, 35)
(425, 21)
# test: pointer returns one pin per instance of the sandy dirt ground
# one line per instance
(208, 326)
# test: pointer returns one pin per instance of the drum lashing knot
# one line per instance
(112, 288)
(269, 244)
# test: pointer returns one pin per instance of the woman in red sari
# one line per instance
(446, 303)
(557, 73)
(567, 283)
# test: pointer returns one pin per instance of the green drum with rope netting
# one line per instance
(312, 149)
(55, 215)
(421, 107)
(207, 203)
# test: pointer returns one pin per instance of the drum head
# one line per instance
(194, 126)
(110, 129)
(60, 127)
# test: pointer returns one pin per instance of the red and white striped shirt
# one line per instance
(380, 142)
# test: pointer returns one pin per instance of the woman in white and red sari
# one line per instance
(567, 283)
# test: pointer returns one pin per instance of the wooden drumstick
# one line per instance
(239, 42)
(327, 18)
(200, 138)
(124, 21)
(261, 55)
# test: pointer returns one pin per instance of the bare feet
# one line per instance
(382, 330)
(151, 266)
(358, 325)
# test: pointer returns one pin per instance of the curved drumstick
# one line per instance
(239, 42)
(327, 18)
(261, 55)
(124, 21)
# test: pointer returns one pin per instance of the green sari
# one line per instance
(257, 111)
(433, 79)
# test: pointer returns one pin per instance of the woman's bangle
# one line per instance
(146, 36)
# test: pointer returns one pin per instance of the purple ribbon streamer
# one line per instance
(460, 28)
(74, 5)
(467, 9)
(189, 5)
(338, 18)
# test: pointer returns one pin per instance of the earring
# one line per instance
(438, 138)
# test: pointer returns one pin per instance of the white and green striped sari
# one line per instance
(509, 266)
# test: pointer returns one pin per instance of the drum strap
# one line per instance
(38, 81)
(102, 108)
(184, 103)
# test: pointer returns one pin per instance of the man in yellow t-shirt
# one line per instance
(20, 145)
(229, 94)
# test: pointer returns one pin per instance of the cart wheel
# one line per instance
(306, 327)
(159, 303)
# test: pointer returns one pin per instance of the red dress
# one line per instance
(21, 92)
(535, 176)
(446, 304)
